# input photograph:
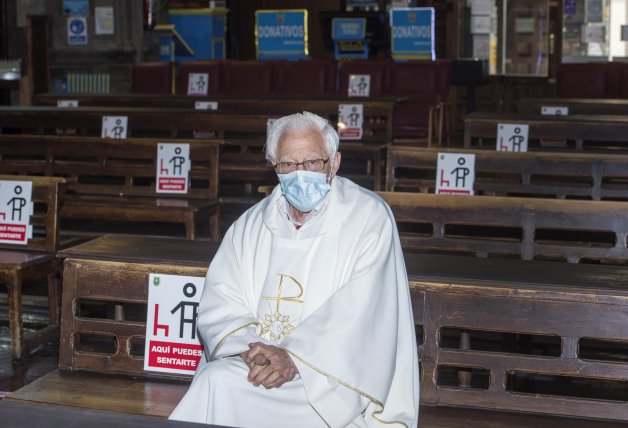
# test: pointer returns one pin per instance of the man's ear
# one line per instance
(336, 165)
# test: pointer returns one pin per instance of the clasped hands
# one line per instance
(269, 365)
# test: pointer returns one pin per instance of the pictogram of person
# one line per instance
(177, 162)
(189, 290)
(17, 203)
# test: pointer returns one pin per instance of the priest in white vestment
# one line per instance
(306, 318)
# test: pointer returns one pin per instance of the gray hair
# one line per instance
(301, 122)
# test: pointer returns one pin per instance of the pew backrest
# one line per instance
(526, 228)
(47, 196)
(100, 166)
(559, 175)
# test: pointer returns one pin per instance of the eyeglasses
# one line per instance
(313, 165)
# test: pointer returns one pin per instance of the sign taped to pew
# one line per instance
(350, 121)
(455, 174)
(197, 84)
(172, 343)
(114, 127)
(359, 85)
(512, 137)
(173, 168)
(16, 208)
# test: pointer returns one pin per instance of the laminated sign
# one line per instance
(197, 84)
(455, 174)
(114, 127)
(173, 168)
(350, 120)
(16, 208)
(512, 137)
(172, 343)
(359, 85)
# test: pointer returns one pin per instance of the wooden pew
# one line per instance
(35, 260)
(449, 293)
(114, 180)
(582, 132)
(513, 327)
(527, 336)
(114, 343)
(378, 112)
(244, 135)
(579, 106)
(498, 226)
(560, 175)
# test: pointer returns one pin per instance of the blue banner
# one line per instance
(281, 34)
(348, 28)
(412, 33)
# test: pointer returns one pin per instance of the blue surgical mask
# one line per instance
(304, 189)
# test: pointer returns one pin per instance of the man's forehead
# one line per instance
(308, 139)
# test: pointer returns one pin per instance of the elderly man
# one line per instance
(306, 317)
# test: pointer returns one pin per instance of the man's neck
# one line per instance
(297, 215)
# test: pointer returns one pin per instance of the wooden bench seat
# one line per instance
(574, 132)
(559, 308)
(36, 260)
(559, 175)
(534, 334)
(498, 226)
(132, 258)
(530, 336)
(572, 303)
(378, 111)
(241, 134)
(114, 180)
(579, 106)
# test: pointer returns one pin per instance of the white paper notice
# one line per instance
(103, 20)
(554, 111)
(512, 137)
(455, 174)
(197, 84)
(114, 127)
(67, 103)
(359, 85)
(172, 343)
(350, 120)
(16, 208)
(173, 168)
(206, 105)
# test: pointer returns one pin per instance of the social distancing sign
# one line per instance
(512, 137)
(173, 168)
(350, 121)
(16, 208)
(455, 174)
(114, 127)
(172, 342)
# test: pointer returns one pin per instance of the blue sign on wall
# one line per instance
(412, 33)
(281, 34)
(348, 28)
(348, 36)
(76, 7)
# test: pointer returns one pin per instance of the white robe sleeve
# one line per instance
(226, 325)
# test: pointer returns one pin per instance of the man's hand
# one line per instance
(269, 365)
